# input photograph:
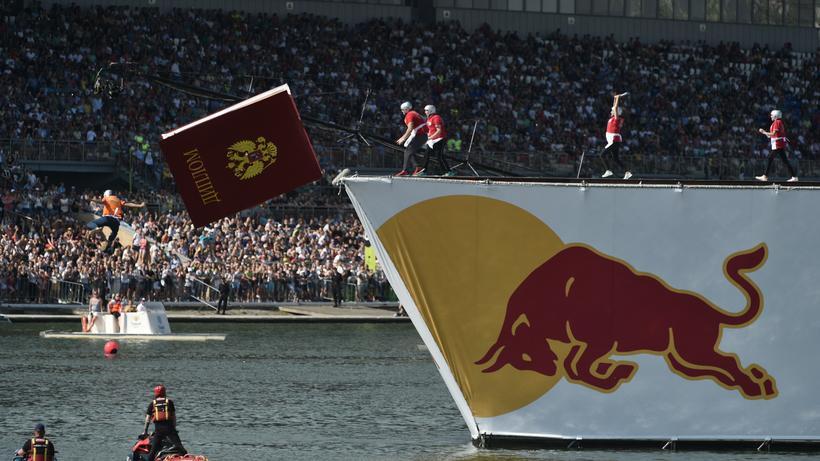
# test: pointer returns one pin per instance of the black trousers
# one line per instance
(336, 288)
(613, 150)
(782, 154)
(109, 222)
(438, 150)
(410, 151)
(222, 304)
(158, 439)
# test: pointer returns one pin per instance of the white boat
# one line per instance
(595, 314)
(148, 324)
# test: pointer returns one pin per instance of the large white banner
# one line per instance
(603, 311)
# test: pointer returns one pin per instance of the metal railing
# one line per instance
(46, 290)
(58, 150)
(68, 292)
(43, 290)
(543, 163)
(39, 150)
(203, 292)
(565, 164)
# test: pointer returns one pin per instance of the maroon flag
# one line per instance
(240, 156)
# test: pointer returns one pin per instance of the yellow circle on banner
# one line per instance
(461, 257)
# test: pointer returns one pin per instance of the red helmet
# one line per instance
(159, 391)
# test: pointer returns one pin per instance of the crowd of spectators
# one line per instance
(537, 95)
(261, 255)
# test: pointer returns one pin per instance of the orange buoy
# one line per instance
(111, 348)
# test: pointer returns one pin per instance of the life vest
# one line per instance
(41, 450)
(162, 410)
(116, 307)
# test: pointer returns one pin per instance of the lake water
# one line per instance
(269, 392)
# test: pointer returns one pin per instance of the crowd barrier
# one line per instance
(39, 290)
(286, 290)
(58, 150)
(43, 290)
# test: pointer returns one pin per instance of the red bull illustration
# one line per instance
(600, 306)
(558, 311)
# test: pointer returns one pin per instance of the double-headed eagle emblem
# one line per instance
(248, 158)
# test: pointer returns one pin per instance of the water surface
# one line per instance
(269, 392)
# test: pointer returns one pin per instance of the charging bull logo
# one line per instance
(475, 265)
(600, 306)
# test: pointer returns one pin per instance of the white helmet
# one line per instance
(406, 105)
(430, 108)
(777, 114)
(107, 193)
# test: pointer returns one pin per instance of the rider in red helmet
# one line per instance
(161, 411)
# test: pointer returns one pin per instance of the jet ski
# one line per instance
(17, 457)
(168, 451)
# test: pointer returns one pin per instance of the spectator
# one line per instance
(224, 295)
(94, 310)
(115, 308)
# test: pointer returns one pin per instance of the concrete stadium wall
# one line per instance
(349, 13)
(649, 30)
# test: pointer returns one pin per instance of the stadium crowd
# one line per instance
(263, 254)
(537, 95)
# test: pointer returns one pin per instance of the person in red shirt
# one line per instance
(777, 136)
(614, 140)
(436, 136)
(413, 138)
(112, 215)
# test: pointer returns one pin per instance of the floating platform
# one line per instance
(148, 323)
(51, 334)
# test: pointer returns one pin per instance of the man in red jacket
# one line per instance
(436, 140)
(413, 138)
(778, 139)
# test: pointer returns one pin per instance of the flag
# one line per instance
(240, 156)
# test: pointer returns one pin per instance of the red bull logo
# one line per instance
(601, 307)
(515, 310)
